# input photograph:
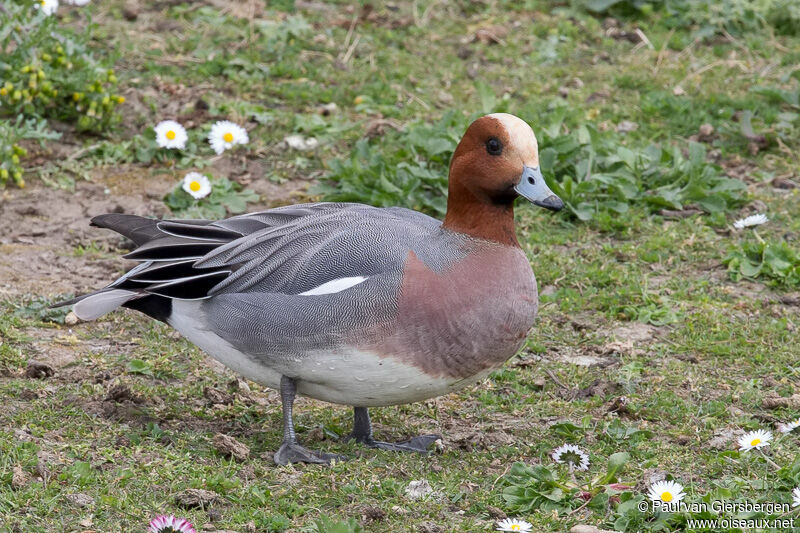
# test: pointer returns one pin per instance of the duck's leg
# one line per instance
(362, 432)
(290, 451)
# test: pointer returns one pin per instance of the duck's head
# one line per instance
(497, 160)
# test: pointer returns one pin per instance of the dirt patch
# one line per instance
(470, 439)
(230, 447)
(61, 350)
(122, 393)
(777, 402)
(217, 397)
(120, 404)
(80, 499)
(38, 251)
(196, 498)
(627, 339)
(38, 370)
(634, 332)
(599, 387)
(588, 356)
(740, 169)
(19, 478)
(724, 438)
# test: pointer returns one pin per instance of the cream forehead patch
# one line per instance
(521, 136)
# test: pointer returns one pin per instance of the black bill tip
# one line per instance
(552, 202)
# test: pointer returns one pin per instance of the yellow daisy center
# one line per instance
(170, 135)
(195, 186)
(43, 3)
(666, 497)
(515, 527)
(755, 442)
(228, 137)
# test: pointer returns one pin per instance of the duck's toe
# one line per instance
(295, 453)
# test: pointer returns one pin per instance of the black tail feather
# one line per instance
(154, 306)
(138, 229)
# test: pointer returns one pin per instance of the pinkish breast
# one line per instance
(472, 317)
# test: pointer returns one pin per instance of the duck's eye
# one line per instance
(494, 146)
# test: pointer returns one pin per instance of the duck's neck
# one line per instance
(480, 217)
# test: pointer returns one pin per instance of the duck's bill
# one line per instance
(533, 187)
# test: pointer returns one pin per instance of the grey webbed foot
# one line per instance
(295, 453)
(290, 451)
(362, 433)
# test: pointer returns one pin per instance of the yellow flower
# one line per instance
(754, 439)
(170, 134)
(666, 491)
(225, 135)
(197, 185)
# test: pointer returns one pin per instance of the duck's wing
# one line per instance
(289, 250)
(304, 254)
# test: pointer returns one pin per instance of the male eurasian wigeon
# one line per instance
(348, 303)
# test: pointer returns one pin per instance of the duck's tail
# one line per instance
(96, 304)
(167, 251)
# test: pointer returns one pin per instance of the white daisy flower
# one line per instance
(752, 220)
(197, 185)
(513, 524)
(571, 455)
(225, 134)
(170, 134)
(789, 426)
(666, 492)
(796, 497)
(170, 524)
(754, 439)
(48, 7)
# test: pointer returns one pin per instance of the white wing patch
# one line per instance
(335, 285)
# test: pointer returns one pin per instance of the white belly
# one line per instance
(344, 375)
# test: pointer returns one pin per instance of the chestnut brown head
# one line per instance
(497, 160)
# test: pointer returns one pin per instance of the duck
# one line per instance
(347, 303)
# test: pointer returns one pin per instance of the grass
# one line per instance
(714, 310)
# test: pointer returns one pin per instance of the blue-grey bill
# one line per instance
(533, 187)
